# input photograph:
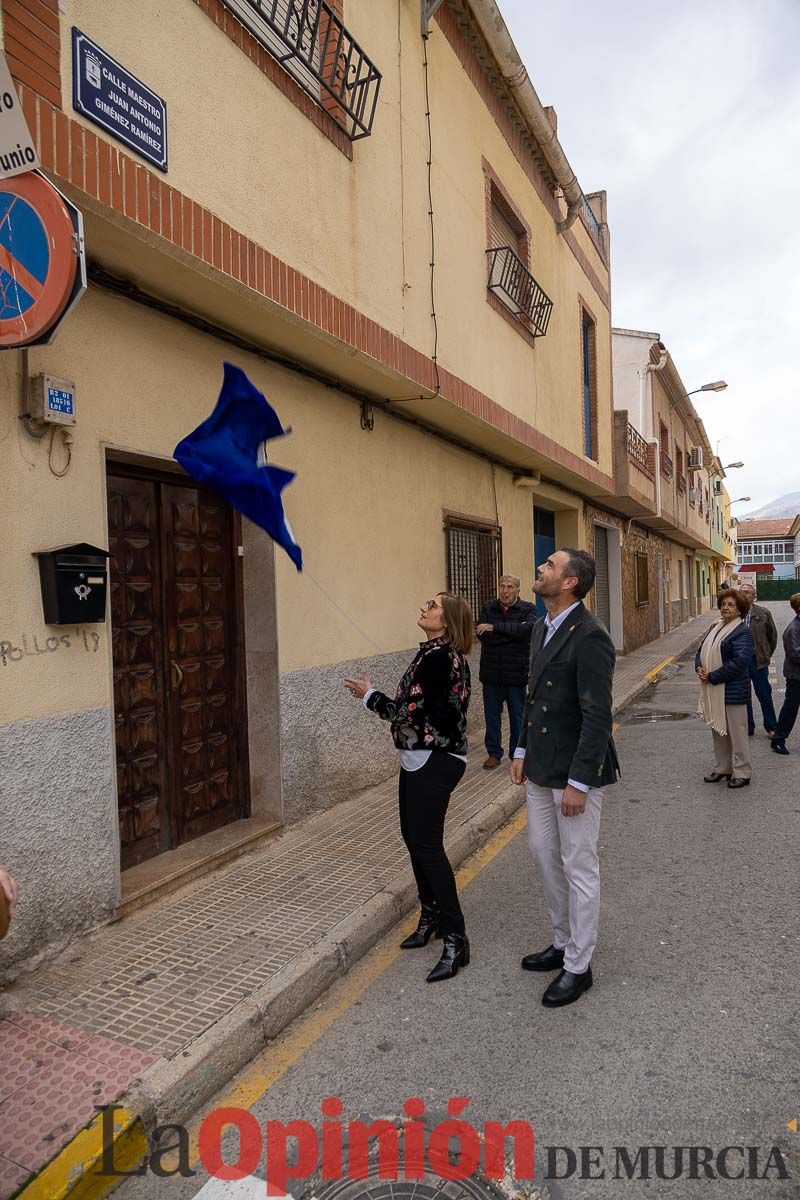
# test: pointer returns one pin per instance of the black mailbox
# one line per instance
(74, 580)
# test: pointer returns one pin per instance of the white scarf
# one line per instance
(711, 706)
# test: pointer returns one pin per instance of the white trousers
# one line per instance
(565, 849)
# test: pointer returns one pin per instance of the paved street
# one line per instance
(689, 1036)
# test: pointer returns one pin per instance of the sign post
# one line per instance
(17, 151)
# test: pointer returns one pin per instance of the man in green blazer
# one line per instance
(566, 757)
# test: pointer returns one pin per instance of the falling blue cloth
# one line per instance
(227, 453)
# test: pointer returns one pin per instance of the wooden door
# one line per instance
(177, 699)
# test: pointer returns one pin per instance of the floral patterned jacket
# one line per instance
(429, 711)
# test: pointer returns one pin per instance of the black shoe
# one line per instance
(567, 988)
(714, 777)
(546, 960)
(455, 954)
(779, 747)
(737, 783)
(427, 928)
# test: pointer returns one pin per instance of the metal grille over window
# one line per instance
(513, 284)
(642, 579)
(474, 562)
(313, 45)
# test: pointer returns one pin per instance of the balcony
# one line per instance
(512, 283)
(314, 47)
(639, 452)
(694, 495)
(667, 467)
(593, 223)
(681, 481)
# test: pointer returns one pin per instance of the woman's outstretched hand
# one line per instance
(358, 687)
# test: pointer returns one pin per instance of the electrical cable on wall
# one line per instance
(67, 444)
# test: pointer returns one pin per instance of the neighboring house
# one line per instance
(289, 232)
(723, 526)
(770, 548)
(665, 487)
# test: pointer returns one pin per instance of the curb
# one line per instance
(172, 1090)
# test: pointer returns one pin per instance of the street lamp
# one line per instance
(718, 386)
(730, 466)
(741, 498)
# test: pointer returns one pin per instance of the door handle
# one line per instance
(177, 675)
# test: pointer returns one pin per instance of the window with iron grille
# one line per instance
(642, 579)
(589, 373)
(474, 560)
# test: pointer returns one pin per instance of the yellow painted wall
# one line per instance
(360, 228)
(366, 507)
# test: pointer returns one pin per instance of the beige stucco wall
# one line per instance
(370, 527)
(361, 228)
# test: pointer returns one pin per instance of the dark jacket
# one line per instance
(763, 633)
(737, 651)
(429, 711)
(506, 651)
(791, 649)
(567, 731)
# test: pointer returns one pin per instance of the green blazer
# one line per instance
(567, 729)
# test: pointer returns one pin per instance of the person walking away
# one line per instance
(504, 630)
(762, 628)
(428, 719)
(722, 663)
(791, 671)
(565, 758)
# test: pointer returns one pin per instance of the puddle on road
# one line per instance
(653, 715)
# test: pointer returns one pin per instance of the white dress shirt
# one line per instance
(552, 624)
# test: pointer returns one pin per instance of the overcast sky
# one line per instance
(688, 115)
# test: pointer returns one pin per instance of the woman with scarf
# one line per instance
(428, 718)
(722, 663)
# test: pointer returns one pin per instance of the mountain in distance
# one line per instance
(784, 506)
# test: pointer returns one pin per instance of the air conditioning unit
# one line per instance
(695, 496)
(717, 487)
(695, 458)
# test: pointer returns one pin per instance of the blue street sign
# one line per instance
(117, 101)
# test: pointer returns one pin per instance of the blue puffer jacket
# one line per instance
(737, 651)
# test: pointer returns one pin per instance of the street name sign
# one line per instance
(42, 260)
(17, 151)
(110, 96)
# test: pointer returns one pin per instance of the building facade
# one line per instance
(723, 527)
(664, 487)
(769, 548)
(450, 421)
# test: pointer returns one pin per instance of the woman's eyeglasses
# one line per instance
(429, 604)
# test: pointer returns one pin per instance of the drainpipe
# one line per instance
(512, 68)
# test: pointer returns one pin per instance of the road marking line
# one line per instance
(652, 675)
(274, 1062)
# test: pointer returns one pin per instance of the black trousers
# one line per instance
(791, 706)
(424, 797)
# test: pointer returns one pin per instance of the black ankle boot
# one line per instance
(455, 954)
(427, 928)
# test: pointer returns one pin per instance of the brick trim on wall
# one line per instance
(32, 43)
(228, 23)
(78, 156)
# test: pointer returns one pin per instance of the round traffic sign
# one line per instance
(38, 260)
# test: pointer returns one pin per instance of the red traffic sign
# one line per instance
(42, 260)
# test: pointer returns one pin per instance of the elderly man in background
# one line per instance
(504, 628)
(791, 669)
(765, 638)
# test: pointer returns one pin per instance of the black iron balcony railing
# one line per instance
(592, 222)
(667, 468)
(639, 451)
(515, 287)
(681, 485)
(313, 45)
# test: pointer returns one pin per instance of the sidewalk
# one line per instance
(162, 1008)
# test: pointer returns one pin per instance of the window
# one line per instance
(642, 580)
(505, 230)
(589, 371)
(474, 560)
(678, 459)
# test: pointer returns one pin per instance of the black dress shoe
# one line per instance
(546, 960)
(778, 747)
(714, 777)
(455, 954)
(567, 988)
(737, 783)
(427, 928)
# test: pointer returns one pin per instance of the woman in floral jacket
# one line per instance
(429, 726)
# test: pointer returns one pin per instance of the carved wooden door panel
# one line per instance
(137, 644)
(200, 604)
(176, 699)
